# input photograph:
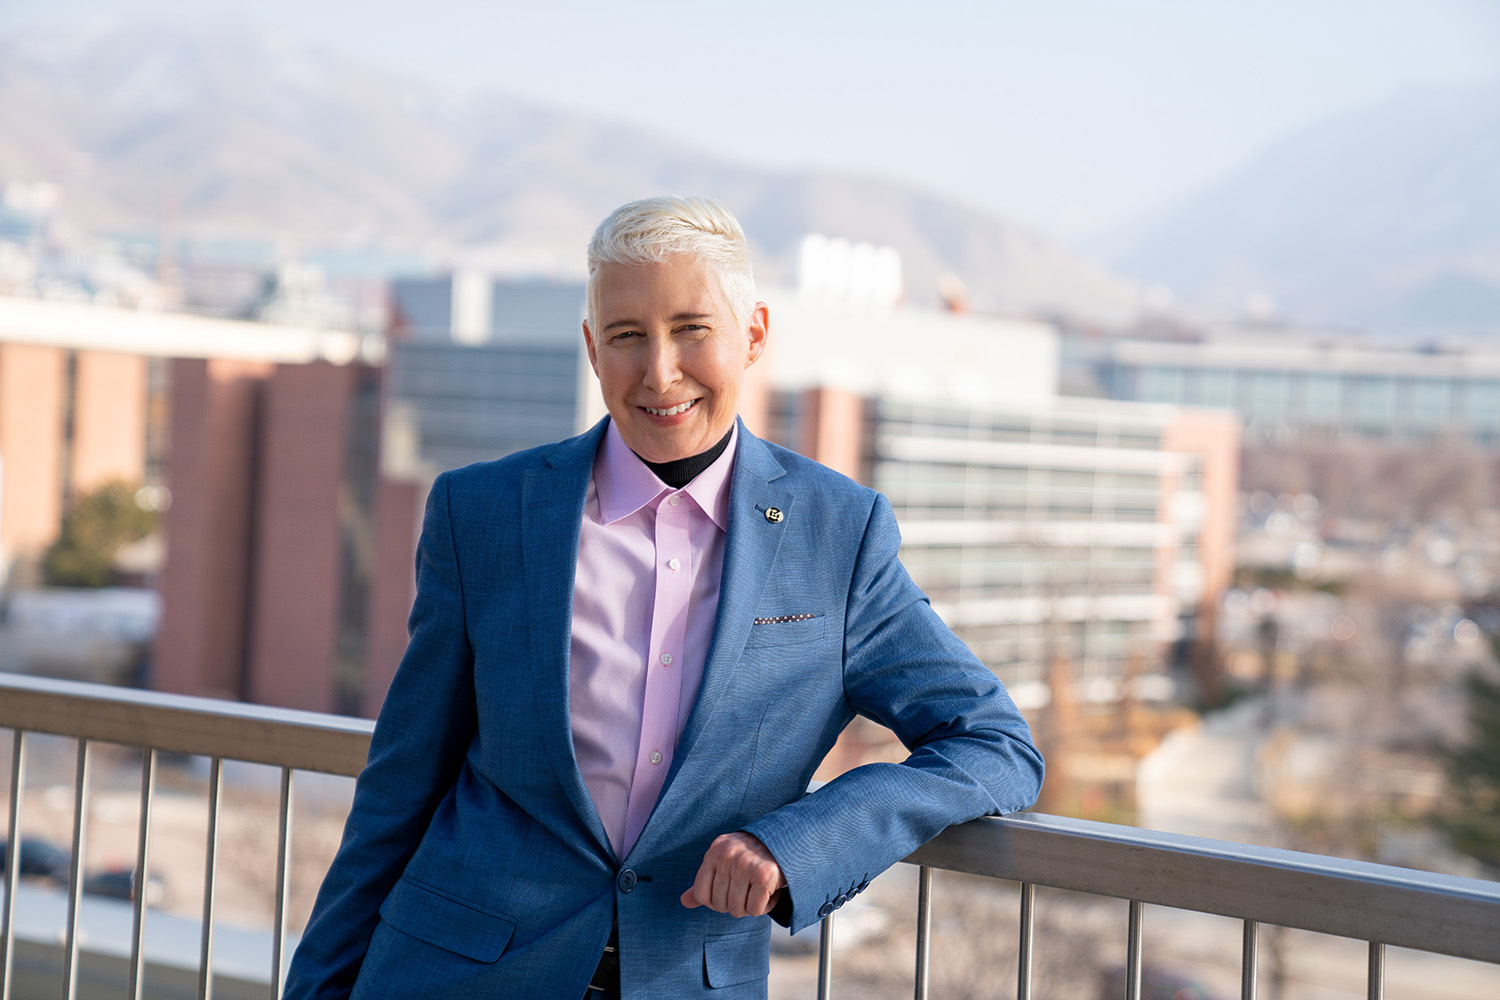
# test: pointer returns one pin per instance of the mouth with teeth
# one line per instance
(671, 411)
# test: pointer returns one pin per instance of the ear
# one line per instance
(757, 329)
(588, 345)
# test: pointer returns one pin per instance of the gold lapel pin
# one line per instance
(774, 515)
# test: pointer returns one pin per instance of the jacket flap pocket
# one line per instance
(446, 922)
(729, 959)
(782, 630)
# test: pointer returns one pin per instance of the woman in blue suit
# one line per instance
(506, 838)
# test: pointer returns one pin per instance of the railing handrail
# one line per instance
(174, 723)
(1445, 914)
(1431, 912)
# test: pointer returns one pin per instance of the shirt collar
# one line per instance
(625, 484)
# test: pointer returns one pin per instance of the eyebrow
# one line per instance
(682, 317)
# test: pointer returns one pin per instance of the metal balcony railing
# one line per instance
(1381, 905)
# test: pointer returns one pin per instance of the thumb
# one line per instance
(689, 900)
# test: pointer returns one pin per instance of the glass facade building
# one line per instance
(478, 368)
(1285, 389)
(1044, 535)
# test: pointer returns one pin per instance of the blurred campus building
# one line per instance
(261, 439)
(1062, 537)
(1052, 533)
(1299, 385)
(480, 368)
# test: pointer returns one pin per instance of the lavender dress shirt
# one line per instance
(644, 600)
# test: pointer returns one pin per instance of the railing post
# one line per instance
(1376, 985)
(206, 952)
(142, 859)
(825, 958)
(1028, 938)
(75, 869)
(1133, 952)
(1250, 960)
(924, 929)
(12, 862)
(283, 880)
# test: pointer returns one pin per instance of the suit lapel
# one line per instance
(750, 548)
(551, 526)
(552, 515)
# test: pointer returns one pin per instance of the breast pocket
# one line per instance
(784, 630)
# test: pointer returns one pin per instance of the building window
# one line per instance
(1428, 401)
(1482, 405)
(1323, 396)
(1375, 401)
(1216, 387)
(1268, 394)
(1161, 385)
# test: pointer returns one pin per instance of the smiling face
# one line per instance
(670, 354)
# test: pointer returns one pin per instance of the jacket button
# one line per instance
(626, 881)
(825, 909)
(840, 899)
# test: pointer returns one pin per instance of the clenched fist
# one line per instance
(738, 877)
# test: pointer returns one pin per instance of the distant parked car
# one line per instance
(119, 883)
(40, 859)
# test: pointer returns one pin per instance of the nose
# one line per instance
(662, 365)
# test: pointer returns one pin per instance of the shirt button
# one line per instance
(666, 659)
(656, 756)
(675, 499)
(674, 564)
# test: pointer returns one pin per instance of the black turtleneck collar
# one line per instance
(681, 471)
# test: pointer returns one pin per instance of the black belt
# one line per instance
(606, 982)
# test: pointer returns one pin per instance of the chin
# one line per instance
(672, 448)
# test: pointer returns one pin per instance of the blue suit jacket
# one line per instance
(473, 862)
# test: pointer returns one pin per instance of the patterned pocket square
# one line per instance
(783, 619)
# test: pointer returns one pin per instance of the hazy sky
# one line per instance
(1069, 114)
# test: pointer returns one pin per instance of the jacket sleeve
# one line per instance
(971, 752)
(424, 730)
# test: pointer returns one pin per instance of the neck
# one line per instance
(681, 471)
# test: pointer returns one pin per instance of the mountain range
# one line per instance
(228, 130)
(1385, 219)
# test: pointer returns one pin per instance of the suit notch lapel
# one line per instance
(550, 532)
(750, 547)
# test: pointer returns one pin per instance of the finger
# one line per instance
(690, 900)
(703, 884)
(758, 898)
(721, 887)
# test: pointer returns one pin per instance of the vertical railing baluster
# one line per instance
(12, 862)
(1250, 960)
(75, 870)
(205, 954)
(924, 929)
(283, 880)
(825, 959)
(1133, 952)
(1028, 939)
(1376, 987)
(141, 884)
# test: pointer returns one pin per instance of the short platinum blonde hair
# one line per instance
(652, 229)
